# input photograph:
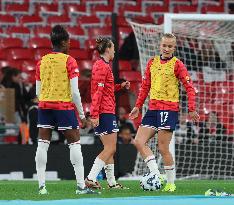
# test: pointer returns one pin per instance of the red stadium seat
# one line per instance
(204, 98)
(157, 9)
(85, 64)
(135, 87)
(74, 44)
(40, 52)
(95, 32)
(11, 43)
(76, 9)
(204, 87)
(160, 20)
(121, 21)
(124, 9)
(85, 90)
(185, 9)
(6, 20)
(125, 65)
(39, 43)
(214, 2)
(124, 32)
(130, 75)
(102, 10)
(42, 32)
(4, 63)
(212, 9)
(79, 54)
(12, 63)
(3, 34)
(76, 32)
(10, 139)
(31, 21)
(62, 20)
(29, 77)
(89, 21)
(20, 54)
(29, 71)
(181, 2)
(230, 129)
(28, 66)
(15, 8)
(90, 3)
(47, 9)
(20, 32)
(223, 97)
(90, 44)
(143, 19)
(95, 55)
(2, 54)
(224, 87)
(230, 76)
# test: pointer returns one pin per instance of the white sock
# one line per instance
(170, 173)
(41, 160)
(96, 168)
(152, 165)
(76, 159)
(110, 174)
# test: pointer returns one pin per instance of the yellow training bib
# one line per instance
(164, 83)
(55, 84)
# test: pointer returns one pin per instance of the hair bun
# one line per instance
(99, 40)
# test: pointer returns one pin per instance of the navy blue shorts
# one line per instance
(63, 119)
(107, 124)
(160, 119)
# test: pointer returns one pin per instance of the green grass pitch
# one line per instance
(28, 190)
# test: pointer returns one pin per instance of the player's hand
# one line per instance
(134, 113)
(95, 122)
(83, 123)
(194, 116)
(125, 85)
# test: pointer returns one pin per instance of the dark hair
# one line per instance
(5, 69)
(124, 127)
(102, 44)
(58, 34)
(7, 79)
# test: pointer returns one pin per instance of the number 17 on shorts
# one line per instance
(167, 120)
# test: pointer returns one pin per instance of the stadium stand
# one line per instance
(25, 28)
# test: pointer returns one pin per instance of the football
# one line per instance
(150, 182)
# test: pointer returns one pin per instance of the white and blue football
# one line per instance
(150, 182)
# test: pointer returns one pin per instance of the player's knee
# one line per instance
(110, 150)
(113, 150)
(138, 143)
(163, 150)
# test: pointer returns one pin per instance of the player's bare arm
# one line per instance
(134, 113)
(95, 122)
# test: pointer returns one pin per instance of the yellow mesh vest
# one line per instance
(164, 84)
(55, 84)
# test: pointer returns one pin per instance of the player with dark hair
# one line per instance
(57, 89)
(161, 80)
(103, 113)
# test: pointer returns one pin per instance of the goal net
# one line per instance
(205, 43)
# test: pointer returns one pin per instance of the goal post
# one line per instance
(204, 45)
(169, 17)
